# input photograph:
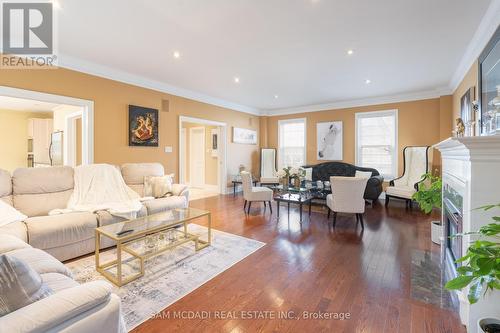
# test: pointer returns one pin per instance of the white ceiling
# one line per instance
(21, 104)
(295, 49)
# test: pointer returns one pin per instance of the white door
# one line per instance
(197, 156)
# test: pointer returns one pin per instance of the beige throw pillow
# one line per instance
(20, 285)
(158, 187)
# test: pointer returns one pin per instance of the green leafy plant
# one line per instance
(481, 265)
(428, 195)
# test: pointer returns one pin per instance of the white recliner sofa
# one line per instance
(36, 191)
(72, 307)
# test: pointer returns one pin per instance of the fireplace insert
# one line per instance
(453, 226)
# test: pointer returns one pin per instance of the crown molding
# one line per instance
(488, 25)
(91, 68)
(414, 96)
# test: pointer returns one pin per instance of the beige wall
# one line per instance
(60, 114)
(419, 123)
(469, 80)
(111, 100)
(211, 163)
(14, 137)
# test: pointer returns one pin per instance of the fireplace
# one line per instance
(469, 169)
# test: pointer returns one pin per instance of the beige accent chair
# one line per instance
(36, 191)
(417, 162)
(347, 197)
(73, 307)
(252, 194)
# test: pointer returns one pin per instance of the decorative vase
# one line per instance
(296, 182)
(285, 182)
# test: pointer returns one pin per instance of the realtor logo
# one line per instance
(27, 35)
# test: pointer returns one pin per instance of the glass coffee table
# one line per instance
(301, 198)
(147, 237)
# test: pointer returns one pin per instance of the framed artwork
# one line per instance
(329, 141)
(245, 136)
(466, 107)
(143, 126)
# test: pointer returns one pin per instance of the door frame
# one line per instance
(70, 142)
(87, 114)
(222, 169)
(191, 167)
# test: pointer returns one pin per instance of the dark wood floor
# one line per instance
(313, 268)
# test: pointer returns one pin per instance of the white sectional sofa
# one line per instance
(36, 191)
(75, 308)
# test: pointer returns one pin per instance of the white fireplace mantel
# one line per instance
(471, 165)
(474, 148)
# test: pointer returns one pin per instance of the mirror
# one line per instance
(267, 162)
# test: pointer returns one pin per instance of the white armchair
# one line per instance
(251, 193)
(347, 197)
(417, 161)
(268, 166)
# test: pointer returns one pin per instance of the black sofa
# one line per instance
(324, 171)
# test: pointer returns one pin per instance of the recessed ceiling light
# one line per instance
(276, 96)
(236, 79)
(177, 55)
(368, 81)
(349, 52)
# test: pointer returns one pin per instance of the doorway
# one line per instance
(53, 130)
(202, 156)
(197, 157)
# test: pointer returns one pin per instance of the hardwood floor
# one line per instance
(314, 268)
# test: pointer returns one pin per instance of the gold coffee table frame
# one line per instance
(144, 227)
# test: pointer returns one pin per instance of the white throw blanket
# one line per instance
(101, 187)
(9, 214)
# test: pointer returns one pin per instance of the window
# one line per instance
(376, 141)
(292, 142)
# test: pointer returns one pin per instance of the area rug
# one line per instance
(172, 275)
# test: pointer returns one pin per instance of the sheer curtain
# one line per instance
(376, 134)
(292, 143)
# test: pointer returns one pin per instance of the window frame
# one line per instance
(373, 114)
(291, 121)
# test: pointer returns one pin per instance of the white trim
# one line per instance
(192, 168)
(285, 121)
(140, 81)
(87, 114)
(487, 27)
(372, 101)
(393, 112)
(223, 188)
(182, 155)
(69, 143)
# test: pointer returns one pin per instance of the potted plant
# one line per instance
(288, 173)
(284, 176)
(428, 197)
(296, 174)
(480, 269)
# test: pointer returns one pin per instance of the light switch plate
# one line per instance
(168, 149)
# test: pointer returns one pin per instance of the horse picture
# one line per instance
(329, 141)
